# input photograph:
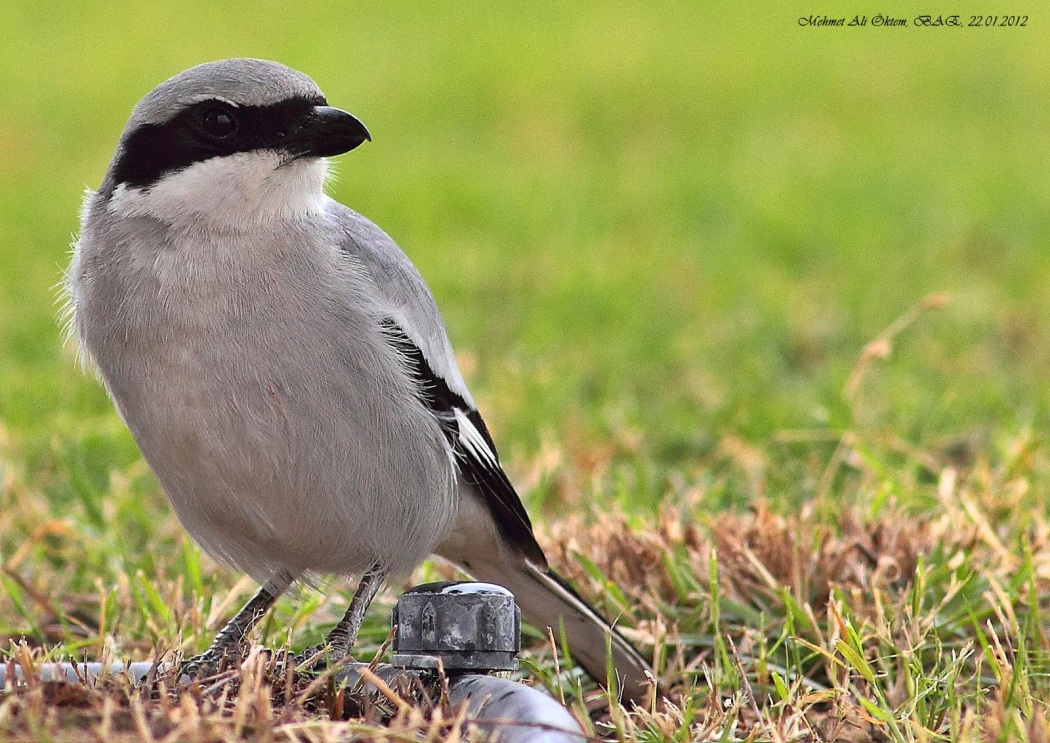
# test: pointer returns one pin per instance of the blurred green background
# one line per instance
(661, 233)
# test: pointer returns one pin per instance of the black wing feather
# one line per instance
(486, 475)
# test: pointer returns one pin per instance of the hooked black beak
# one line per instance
(325, 131)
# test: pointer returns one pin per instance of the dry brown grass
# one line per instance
(754, 619)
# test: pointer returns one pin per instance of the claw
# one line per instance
(311, 658)
(207, 664)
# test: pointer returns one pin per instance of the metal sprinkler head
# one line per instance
(461, 625)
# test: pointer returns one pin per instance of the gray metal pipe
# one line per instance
(519, 713)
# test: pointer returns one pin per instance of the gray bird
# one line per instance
(284, 368)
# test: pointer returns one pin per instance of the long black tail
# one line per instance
(546, 600)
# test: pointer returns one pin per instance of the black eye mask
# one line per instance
(208, 129)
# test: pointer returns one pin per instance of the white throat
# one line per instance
(240, 192)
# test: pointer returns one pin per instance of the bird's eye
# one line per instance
(219, 122)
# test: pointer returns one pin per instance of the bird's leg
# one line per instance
(230, 638)
(343, 636)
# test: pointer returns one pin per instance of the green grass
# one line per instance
(662, 237)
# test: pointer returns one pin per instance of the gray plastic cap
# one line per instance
(462, 625)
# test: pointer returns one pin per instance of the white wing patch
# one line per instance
(472, 440)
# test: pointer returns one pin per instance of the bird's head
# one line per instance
(232, 144)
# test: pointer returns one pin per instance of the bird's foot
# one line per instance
(209, 663)
(316, 658)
